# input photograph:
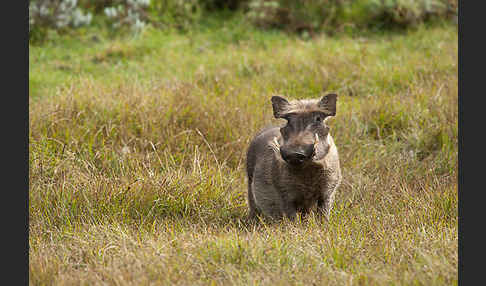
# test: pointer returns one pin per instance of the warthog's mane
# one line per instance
(301, 106)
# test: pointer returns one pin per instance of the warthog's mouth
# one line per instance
(275, 145)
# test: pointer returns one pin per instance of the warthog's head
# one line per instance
(305, 136)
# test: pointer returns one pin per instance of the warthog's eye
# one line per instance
(318, 118)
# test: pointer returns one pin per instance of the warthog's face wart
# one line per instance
(305, 136)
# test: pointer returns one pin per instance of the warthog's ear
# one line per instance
(328, 104)
(279, 105)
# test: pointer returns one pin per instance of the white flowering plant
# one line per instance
(60, 15)
(130, 13)
(55, 14)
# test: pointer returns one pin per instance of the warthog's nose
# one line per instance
(297, 155)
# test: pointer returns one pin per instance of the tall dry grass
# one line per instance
(142, 182)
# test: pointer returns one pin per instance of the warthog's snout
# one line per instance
(297, 155)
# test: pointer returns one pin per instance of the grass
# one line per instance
(137, 151)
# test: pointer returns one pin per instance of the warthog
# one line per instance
(291, 168)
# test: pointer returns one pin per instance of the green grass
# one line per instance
(137, 151)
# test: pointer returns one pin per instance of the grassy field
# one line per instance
(137, 151)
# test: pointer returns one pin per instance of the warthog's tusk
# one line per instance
(276, 142)
(316, 142)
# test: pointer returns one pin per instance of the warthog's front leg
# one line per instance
(325, 203)
(290, 211)
(326, 199)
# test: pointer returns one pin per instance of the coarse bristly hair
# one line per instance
(302, 105)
